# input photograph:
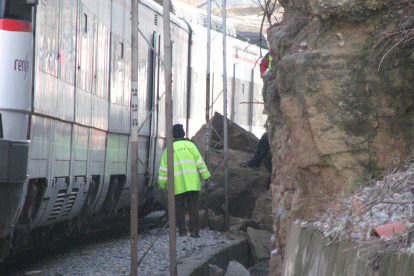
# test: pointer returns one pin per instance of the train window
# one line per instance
(242, 87)
(120, 50)
(85, 23)
(15, 9)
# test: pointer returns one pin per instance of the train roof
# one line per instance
(195, 15)
(158, 8)
(255, 38)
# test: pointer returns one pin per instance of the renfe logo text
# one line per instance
(22, 66)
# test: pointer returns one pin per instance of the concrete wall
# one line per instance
(307, 254)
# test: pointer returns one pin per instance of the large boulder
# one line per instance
(262, 213)
(238, 138)
(244, 184)
(260, 244)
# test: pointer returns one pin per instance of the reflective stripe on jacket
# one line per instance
(187, 165)
(266, 62)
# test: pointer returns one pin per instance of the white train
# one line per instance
(65, 71)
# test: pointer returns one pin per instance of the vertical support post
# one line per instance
(207, 149)
(226, 168)
(169, 116)
(134, 138)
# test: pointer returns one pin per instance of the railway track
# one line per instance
(29, 258)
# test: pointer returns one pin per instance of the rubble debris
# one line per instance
(388, 229)
(240, 138)
(236, 269)
(245, 184)
(388, 201)
(385, 209)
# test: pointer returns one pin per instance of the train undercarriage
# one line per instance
(23, 235)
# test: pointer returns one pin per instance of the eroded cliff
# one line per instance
(340, 100)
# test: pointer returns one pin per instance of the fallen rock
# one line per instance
(236, 269)
(240, 138)
(235, 224)
(260, 244)
(245, 184)
(262, 213)
(214, 270)
(240, 230)
(261, 268)
(249, 223)
(202, 217)
(217, 223)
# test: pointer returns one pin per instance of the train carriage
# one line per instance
(16, 57)
(244, 84)
(65, 108)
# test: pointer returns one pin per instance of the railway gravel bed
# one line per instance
(112, 257)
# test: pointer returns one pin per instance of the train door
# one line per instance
(153, 94)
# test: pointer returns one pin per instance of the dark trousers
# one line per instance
(191, 199)
(261, 151)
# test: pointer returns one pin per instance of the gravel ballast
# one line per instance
(113, 257)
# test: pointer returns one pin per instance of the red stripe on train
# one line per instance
(15, 26)
(244, 59)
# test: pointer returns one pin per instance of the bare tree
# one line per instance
(270, 10)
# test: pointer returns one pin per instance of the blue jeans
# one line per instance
(261, 151)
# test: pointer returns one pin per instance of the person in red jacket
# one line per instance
(266, 62)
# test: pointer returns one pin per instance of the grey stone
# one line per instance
(236, 269)
(260, 243)
(262, 213)
(112, 257)
(259, 269)
(214, 270)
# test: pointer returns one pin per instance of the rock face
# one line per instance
(340, 100)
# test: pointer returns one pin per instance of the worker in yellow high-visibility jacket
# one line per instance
(188, 163)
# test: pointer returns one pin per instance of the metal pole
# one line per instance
(168, 117)
(207, 150)
(134, 138)
(226, 175)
